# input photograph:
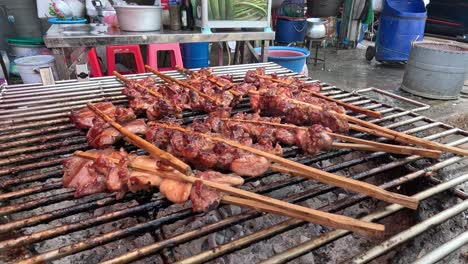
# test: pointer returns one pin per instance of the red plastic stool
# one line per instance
(94, 63)
(111, 51)
(173, 48)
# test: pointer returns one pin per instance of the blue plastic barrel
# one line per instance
(195, 55)
(288, 31)
(401, 23)
(290, 57)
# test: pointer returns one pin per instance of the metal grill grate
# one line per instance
(41, 221)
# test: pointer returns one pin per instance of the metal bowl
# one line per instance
(139, 18)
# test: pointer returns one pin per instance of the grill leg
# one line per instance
(61, 63)
(265, 45)
(316, 54)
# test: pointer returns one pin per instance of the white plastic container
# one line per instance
(139, 18)
(28, 67)
(70, 7)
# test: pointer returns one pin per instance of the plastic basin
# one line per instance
(289, 57)
(28, 67)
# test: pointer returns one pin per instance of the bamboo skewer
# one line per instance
(125, 80)
(314, 174)
(351, 107)
(183, 70)
(167, 78)
(314, 216)
(227, 198)
(136, 140)
(394, 135)
(362, 144)
(404, 138)
(354, 108)
(374, 129)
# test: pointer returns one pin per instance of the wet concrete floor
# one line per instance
(349, 70)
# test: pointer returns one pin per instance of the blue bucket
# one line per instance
(289, 57)
(401, 23)
(195, 55)
(288, 31)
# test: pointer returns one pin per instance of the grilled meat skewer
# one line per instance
(204, 154)
(100, 134)
(114, 171)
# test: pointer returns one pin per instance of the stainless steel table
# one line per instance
(80, 37)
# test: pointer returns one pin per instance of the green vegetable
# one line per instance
(210, 12)
(259, 8)
(250, 10)
(215, 9)
(229, 9)
(222, 9)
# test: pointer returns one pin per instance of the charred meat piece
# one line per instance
(161, 108)
(140, 105)
(251, 76)
(102, 134)
(175, 191)
(275, 102)
(243, 88)
(314, 139)
(285, 136)
(176, 98)
(296, 85)
(113, 171)
(88, 178)
(83, 118)
(123, 115)
(110, 172)
(311, 99)
(116, 173)
(250, 165)
(205, 198)
(311, 141)
(203, 153)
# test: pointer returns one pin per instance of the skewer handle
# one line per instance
(351, 107)
(121, 77)
(396, 149)
(366, 228)
(402, 137)
(184, 70)
(374, 129)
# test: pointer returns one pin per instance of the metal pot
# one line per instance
(316, 28)
(139, 18)
(436, 70)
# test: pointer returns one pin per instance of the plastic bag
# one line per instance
(106, 5)
(377, 5)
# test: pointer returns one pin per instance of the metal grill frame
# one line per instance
(36, 135)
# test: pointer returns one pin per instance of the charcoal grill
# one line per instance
(42, 222)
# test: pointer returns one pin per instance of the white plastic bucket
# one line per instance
(28, 67)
